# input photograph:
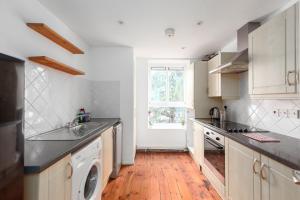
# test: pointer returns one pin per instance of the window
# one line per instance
(166, 97)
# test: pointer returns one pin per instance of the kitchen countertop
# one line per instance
(287, 151)
(41, 154)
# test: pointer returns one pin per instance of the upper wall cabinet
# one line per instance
(273, 67)
(225, 86)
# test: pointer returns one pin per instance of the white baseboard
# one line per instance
(160, 148)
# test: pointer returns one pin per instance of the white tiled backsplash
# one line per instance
(259, 113)
(109, 93)
(52, 98)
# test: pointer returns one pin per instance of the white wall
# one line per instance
(51, 97)
(20, 41)
(112, 72)
(151, 138)
(230, 46)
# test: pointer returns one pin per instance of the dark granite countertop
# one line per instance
(287, 151)
(41, 154)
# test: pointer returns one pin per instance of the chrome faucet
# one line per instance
(73, 123)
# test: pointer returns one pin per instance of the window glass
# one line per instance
(176, 93)
(158, 85)
(167, 115)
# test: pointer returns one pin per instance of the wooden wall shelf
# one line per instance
(49, 62)
(49, 33)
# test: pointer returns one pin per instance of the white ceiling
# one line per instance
(96, 21)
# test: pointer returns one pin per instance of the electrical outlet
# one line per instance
(293, 113)
(282, 113)
(275, 112)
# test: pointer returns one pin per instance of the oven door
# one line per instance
(214, 157)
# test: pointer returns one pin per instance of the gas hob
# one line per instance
(232, 127)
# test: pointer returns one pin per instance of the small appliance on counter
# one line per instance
(214, 113)
(223, 114)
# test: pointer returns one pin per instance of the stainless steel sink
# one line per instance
(73, 133)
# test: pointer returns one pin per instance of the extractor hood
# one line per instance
(239, 62)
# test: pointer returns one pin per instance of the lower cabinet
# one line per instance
(54, 182)
(107, 155)
(198, 140)
(252, 176)
(242, 167)
(277, 181)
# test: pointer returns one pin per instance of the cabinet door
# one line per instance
(198, 143)
(214, 80)
(272, 53)
(59, 180)
(214, 85)
(277, 181)
(242, 182)
(36, 186)
(107, 149)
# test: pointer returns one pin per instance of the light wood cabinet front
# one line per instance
(277, 181)
(272, 55)
(198, 134)
(214, 80)
(54, 182)
(60, 179)
(253, 176)
(214, 85)
(242, 179)
(107, 152)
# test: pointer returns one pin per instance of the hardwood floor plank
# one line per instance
(160, 176)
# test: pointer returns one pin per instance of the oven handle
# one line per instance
(213, 143)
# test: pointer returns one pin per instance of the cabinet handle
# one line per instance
(254, 164)
(262, 172)
(288, 77)
(71, 167)
(296, 177)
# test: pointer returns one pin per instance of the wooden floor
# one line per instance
(160, 176)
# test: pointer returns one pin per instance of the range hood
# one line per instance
(239, 62)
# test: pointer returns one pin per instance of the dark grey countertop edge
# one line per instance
(281, 160)
(81, 143)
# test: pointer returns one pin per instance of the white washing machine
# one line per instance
(87, 172)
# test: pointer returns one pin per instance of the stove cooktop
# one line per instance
(233, 127)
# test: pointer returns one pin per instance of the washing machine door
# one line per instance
(90, 187)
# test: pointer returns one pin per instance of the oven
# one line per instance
(214, 153)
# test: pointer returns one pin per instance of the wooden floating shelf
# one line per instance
(49, 33)
(49, 62)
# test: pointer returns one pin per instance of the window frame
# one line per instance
(168, 103)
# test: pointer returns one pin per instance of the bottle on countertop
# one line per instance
(81, 115)
(223, 114)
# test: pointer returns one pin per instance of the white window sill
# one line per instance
(167, 126)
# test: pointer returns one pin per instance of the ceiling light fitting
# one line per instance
(199, 23)
(120, 22)
(170, 32)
